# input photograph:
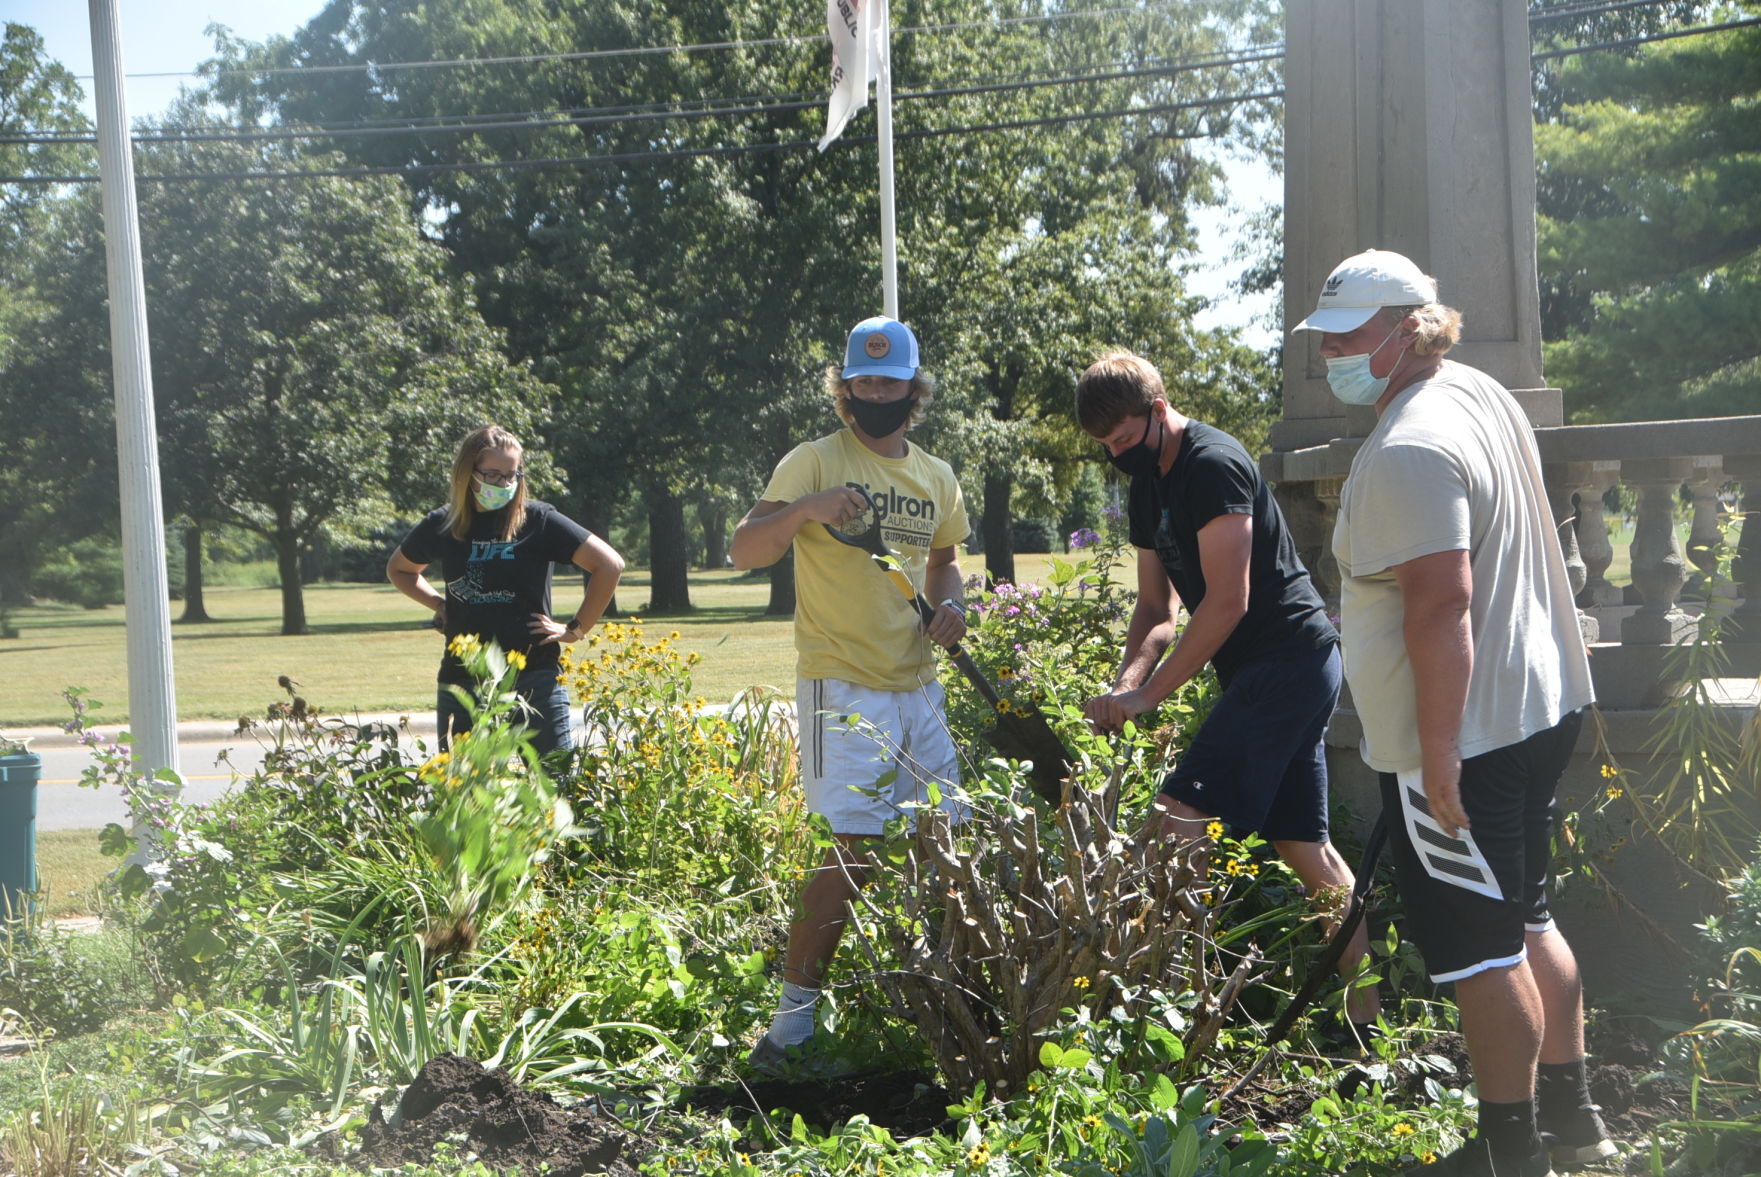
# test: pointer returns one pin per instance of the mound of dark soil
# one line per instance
(484, 1113)
(905, 1103)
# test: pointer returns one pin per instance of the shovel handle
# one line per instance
(958, 656)
(1329, 959)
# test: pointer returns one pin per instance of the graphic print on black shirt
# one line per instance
(493, 586)
(1211, 476)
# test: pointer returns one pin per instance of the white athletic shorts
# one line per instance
(852, 736)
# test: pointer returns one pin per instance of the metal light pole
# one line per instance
(152, 694)
(883, 93)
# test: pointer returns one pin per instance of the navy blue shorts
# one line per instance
(1257, 763)
(1470, 900)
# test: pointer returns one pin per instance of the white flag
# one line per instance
(847, 22)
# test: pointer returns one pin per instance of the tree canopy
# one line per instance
(1651, 229)
(686, 274)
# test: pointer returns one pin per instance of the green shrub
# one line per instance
(87, 573)
(66, 983)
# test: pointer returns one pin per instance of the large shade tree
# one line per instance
(43, 478)
(313, 366)
(685, 302)
(1650, 227)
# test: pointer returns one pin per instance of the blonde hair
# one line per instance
(1120, 384)
(923, 387)
(1439, 327)
(461, 505)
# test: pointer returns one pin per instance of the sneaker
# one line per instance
(1342, 1039)
(1579, 1139)
(803, 1060)
(769, 1059)
(1474, 1159)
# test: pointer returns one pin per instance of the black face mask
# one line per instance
(879, 419)
(1140, 459)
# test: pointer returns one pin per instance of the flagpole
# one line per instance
(883, 95)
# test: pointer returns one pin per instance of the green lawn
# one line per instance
(69, 869)
(368, 650)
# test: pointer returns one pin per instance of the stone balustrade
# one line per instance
(1708, 468)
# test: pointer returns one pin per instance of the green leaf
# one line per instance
(114, 842)
(1183, 1157)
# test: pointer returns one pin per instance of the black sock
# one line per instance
(1509, 1129)
(1561, 1088)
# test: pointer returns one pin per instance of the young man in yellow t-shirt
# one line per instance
(863, 651)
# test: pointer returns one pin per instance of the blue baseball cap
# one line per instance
(881, 347)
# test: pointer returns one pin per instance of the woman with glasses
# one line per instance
(496, 547)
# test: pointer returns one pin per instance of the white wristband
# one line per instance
(956, 606)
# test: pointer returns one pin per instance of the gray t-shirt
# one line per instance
(1450, 466)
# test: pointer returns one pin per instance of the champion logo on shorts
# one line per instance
(1456, 861)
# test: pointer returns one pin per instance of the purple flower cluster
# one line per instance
(1013, 600)
(1084, 537)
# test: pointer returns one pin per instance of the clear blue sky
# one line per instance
(158, 36)
(166, 36)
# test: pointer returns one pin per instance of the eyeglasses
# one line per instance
(500, 478)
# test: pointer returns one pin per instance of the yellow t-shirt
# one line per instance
(851, 623)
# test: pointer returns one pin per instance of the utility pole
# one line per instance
(152, 694)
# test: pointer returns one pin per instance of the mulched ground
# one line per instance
(486, 1114)
(905, 1103)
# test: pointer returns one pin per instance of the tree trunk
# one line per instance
(597, 519)
(997, 525)
(782, 586)
(712, 516)
(668, 558)
(293, 599)
(194, 609)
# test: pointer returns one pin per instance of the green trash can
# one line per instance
(19, 773)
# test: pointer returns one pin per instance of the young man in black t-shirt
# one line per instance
(1210, 536)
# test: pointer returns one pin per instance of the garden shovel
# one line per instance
(1017, 735)
(1329, 958)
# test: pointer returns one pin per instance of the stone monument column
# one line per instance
(1407, 126)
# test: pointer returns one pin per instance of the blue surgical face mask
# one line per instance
(491, 497)
(1349, 376)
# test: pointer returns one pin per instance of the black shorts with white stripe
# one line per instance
(1470, 899)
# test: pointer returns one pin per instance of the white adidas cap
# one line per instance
(1363, 284)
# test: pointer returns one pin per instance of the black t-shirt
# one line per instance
(1213, 475)
(493, 586)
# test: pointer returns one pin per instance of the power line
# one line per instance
(687, 153)
(677, 153)
(1577, 11)
(1551, 54)
(634, 51)
(816, 97)
(345, 130)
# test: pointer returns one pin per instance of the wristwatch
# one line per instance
(957, 606)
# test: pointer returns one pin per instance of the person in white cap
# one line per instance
(862, 650)
(1469, 675)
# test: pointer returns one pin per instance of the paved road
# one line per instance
(63, 805)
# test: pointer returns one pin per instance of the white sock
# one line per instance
(793, 1023)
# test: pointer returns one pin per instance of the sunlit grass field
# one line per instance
(369, 649)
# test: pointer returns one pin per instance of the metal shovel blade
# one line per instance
(1030, 737)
